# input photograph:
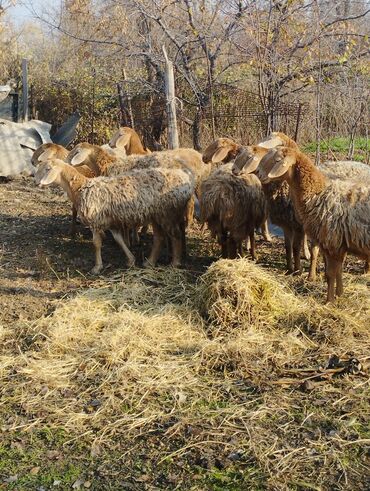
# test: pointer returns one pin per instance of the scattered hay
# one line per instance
(158, 349)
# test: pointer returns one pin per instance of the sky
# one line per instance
(20, 13)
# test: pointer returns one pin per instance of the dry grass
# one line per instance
(225, 354)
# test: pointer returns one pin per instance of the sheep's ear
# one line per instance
(246, 162)
(46, 155)
(50, 177)
(220, 154)
(271, 142)
(281, 167)
(81, 156)
(123, 140)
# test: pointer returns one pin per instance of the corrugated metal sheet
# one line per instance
(17, 142)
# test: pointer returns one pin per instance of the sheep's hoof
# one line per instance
(131, 264)
(267, 238)
(148, 264)
(96, 270)
(311, 277)
(176, 264)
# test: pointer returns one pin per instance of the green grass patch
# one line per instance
(339, 145)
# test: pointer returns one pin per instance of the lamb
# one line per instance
(48, 151)
(335, 213)
(225, 150)
(159, 195)
(127, 139)
(232, 207)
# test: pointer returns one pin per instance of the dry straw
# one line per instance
(158, 346)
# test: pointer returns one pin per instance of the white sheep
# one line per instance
(156, 195)
(335, 213)
(232, 206)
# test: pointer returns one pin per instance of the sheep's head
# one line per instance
(121, 138)
(277, 164)
(221, 150)
(276, 139)
(248, 159)
(48, 151)
(81, 154)
(49, 172)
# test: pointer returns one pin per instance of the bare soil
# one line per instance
(41, 262)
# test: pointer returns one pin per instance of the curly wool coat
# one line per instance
(334, 212)
(230, 203)
(105, 164)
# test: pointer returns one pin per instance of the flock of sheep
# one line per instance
(123, 187)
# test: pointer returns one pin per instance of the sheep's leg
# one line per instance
(177, 250)
(253, 246)
(223, 242)
(126, 235)
(97, 241)
(74, 222)
(231, 248)
(367, 266)
(240, 248)
(339, 280)
(333, 270)
(265, 231)
(313, 264)
(184, 253)
(189, 212)
(247, 243)
(297, 246)
(306, 249)
(158, 237)
(288, 241)
(121, 242)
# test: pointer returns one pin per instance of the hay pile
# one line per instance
(159, 347)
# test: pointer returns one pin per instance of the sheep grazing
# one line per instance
(225, 150)
(127, 139)
(156, 195)
(335, 213)
(280, 207)
(232, 207)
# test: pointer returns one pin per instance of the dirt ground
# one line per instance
(40, 261)
(39, 264)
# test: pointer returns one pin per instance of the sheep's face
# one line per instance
(247, 160)
(48, 173)
(276, 165)
(120, 139)
(221, 150)
(80, 154)
(47, 151)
